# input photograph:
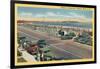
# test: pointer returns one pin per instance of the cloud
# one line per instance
(25, 14)
(39, 15)
(58, 14)
(51, 14)
(55, 15)
(76, 15)
(47, 14)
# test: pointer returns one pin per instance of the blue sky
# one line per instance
(53, 13)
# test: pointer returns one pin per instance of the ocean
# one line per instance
(67, 24)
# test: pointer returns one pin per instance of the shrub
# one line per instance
(19, 53)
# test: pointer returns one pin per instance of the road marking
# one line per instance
(65, 51)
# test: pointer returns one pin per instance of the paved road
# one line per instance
(68, 48)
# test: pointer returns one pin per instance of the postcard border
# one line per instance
(12, 34)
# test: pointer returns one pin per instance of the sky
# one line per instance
(58, 13)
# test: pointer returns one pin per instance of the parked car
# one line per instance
(42, 43)
(32, 49)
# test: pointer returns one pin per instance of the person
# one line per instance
(41, 55)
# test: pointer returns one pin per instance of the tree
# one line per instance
(60, 32)
(72, 34)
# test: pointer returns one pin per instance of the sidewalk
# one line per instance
(28, 57)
